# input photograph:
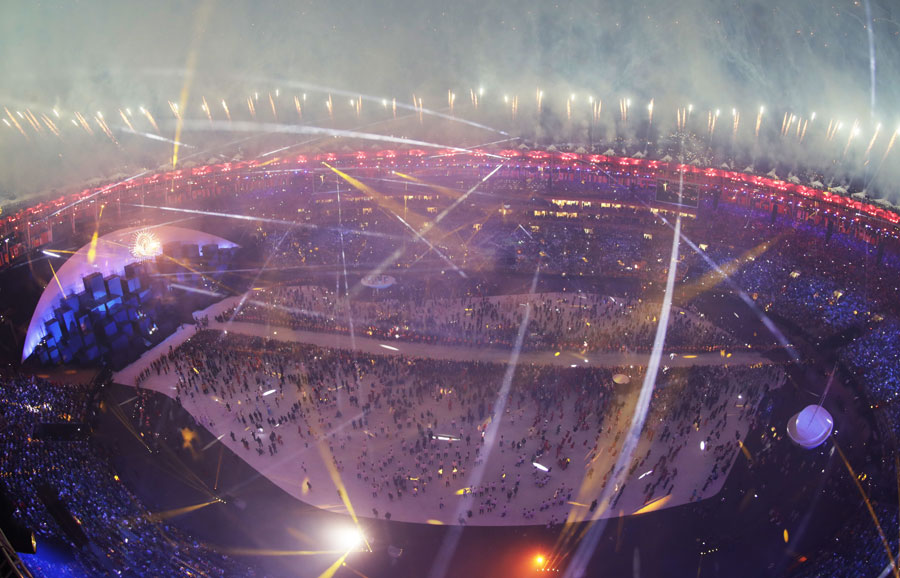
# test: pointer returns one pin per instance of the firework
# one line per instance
(540, 100)
(421, 111)
(33, 121)
(450, 98)
(150, 118)
(759, 119)
(736, 116)
(854, 131)
(15, 122)
(803, 132)
(126, 121)
(298, 107)
(103, 126)
(206, 108)
(650, 113)
(225, 107)
(84, 123)
(624, 103)
(50, 125)
(784, 124)
(890, 144)
(173, 106)
(872, 142)
(790, 122)
(330, 106)
(250, 106)
(359, 101)
(394, 106)
(569, 109)
(272, 104)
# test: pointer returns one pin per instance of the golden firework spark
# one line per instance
(126, 121)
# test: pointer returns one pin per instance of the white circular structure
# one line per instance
(106, 255)
(810, 427)
(378, 281)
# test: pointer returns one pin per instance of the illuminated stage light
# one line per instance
(146, 245)
(347, 538)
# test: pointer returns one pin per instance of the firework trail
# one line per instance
(33, 121)
(51, 125)
(126, 121)
(206, 108)
(227, 112)
(872, 142)
(173, 106)
(299, 109)
(16, 123)
(104, 127)
(150, 118)
(84, 123)
(250, 107)
(272, 104)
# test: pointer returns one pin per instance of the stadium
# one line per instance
(260, 326)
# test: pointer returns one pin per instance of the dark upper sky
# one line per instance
(796, 56)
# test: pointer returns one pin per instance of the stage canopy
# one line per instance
(108, 255)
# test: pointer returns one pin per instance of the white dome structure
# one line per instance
(810, 427)
(107, 255)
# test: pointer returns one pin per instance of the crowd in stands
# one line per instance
(122, 538)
